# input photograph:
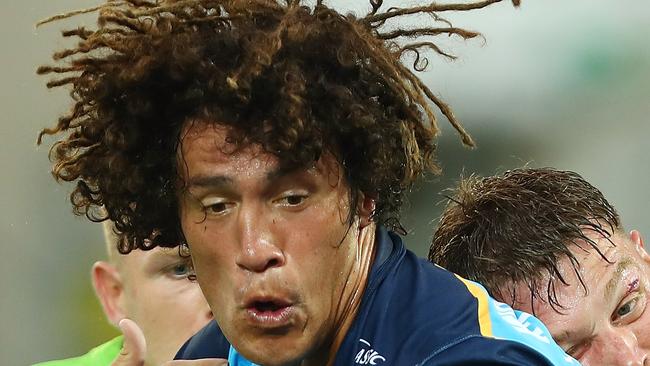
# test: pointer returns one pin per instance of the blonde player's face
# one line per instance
(160, 298)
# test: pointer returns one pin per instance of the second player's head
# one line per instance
(152, 288)
(548, 242)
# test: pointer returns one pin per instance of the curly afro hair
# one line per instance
(298, 80)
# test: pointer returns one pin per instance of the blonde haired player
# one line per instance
(151, 288)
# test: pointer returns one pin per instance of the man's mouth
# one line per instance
(269, 312)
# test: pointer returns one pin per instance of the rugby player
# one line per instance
(547, 242)
(278, 140)
(151, 288)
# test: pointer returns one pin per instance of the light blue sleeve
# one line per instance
(522, 327)
(235, 359)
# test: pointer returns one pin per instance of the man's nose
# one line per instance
(259, 249)
(623, 349)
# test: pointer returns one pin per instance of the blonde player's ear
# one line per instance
(110, 290)
(637, 240)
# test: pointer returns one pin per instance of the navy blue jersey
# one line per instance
(415, 313)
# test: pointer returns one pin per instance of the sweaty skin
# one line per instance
(354, 288)
(274, 252)
(607, 324)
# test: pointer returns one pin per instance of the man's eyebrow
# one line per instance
(613, 282)
(202, 181)
(281, 171)
(166, 258)
(168, 252)
(209, 181)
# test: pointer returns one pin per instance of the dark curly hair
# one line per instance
(514, 228)
(297, 80)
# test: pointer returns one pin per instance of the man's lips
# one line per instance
(269, 312)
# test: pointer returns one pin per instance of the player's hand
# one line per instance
(203, 362)
(134, 347)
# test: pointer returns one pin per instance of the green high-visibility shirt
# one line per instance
(102, 355)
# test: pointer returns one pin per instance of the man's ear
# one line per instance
(109, 290)
(636, 238)
(366, 210)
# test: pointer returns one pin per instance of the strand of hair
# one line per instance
(42, 70)
(176, 8)
(375, 4)
(433, 7)
(447, 112)
(212, 19)
(77, 12)
(121, 20)
(418, 32)
(80, 32)
(63, 81)
(418, 45)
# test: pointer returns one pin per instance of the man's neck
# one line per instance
(357, 279)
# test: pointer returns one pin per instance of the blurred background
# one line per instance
(553, 83)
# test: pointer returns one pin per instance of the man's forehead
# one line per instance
(579, 308)
(569, 297)
(567, 291)
(154, 252)
(137, 259)
(598, 259)
(568, 320)
(206, 153)
(212, 137)
(593, 265)
(580, 321)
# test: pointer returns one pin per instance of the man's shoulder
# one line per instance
(209, 342)
(414, 309)
(407, 295)
(102, 355)
(422, 313)
(416, 292)
(410, 280)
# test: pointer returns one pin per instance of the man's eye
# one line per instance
(215, 207)
(626, 309)
(292, 199)
(180, 270)
(295, 200)
(630, 310)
